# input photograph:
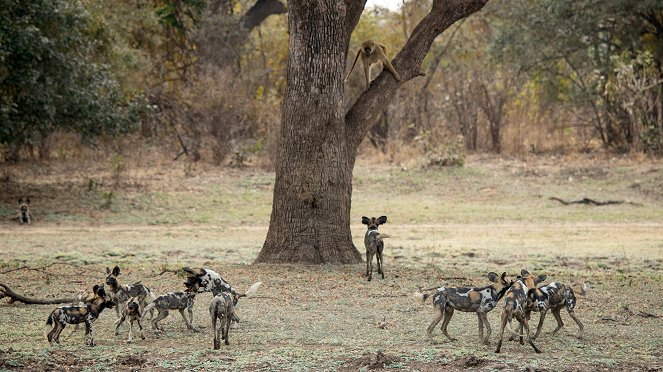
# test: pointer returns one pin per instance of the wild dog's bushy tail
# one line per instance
(49, 321)
(252, 289)
(420, 297)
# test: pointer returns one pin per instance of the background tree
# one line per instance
(55, 73)
(310, 220)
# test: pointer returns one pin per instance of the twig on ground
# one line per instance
(174, 271)
(646, 314)
(7, 292)
(589, 201)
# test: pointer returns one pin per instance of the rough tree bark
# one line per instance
(310, 221)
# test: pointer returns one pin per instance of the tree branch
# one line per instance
(5, 291)
(365, 111)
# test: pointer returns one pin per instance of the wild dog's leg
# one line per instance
(215, 331)
(140, 326)
(520, 332)
(186, 321)
(163, 313)
(227, 328)
(439, 315)
(581, 328)
(367, 262)
(131, 326)
(484, 318)
(480, 326)
(89, 335)
(190, 309)
(505, 319)
(448, 313)
(369, 259)
(558, 318)
(540, 326)
(523, 322)
(58, 331)
(380, 262)
(118, 323)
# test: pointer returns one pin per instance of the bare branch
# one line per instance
(7, 292)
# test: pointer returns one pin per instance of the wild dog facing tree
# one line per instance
(24, 216)
(87, 314)
(374, 244)
(554, 297)
(480, 300)
(515, 303)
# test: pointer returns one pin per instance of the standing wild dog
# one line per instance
(554, 297)
(172, 301)
(87, 314)
(120, 294)
(131, 310)
(480, 300)
(206, 280)
(24, 211)
(515, 305)
(374, 244)
(222, 308)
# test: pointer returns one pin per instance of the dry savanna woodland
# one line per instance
(154, 135)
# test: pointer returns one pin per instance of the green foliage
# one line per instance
(53, 73)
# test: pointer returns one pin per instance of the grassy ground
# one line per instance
(446, 227)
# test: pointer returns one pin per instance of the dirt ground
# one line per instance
(447, 227)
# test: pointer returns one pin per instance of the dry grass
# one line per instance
(492, 215)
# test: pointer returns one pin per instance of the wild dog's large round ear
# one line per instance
(365, 220)
(108, 270)
(382, 220)
(524, 273)
(540, 278)
(493, 277)
(116, 270)
(504, 276)
(95, 288)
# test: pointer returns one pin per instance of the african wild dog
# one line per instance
(222, 308)
(480, 300)
(120, 294)
(172, 301)
(24, 215)
(554, 297)
(130, 310)
(206, 280)
(87, 314)
(374, 244)
(515, 304)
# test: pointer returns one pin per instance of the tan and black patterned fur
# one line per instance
(515, 304)
(86, 313)
(480, 300)
(222, 309)
(553, 297)
(374, 244)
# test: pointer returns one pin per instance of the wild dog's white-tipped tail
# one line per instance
(420, 297)
(252, 289)
(383, 236)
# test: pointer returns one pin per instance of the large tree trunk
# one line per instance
(310, 219)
